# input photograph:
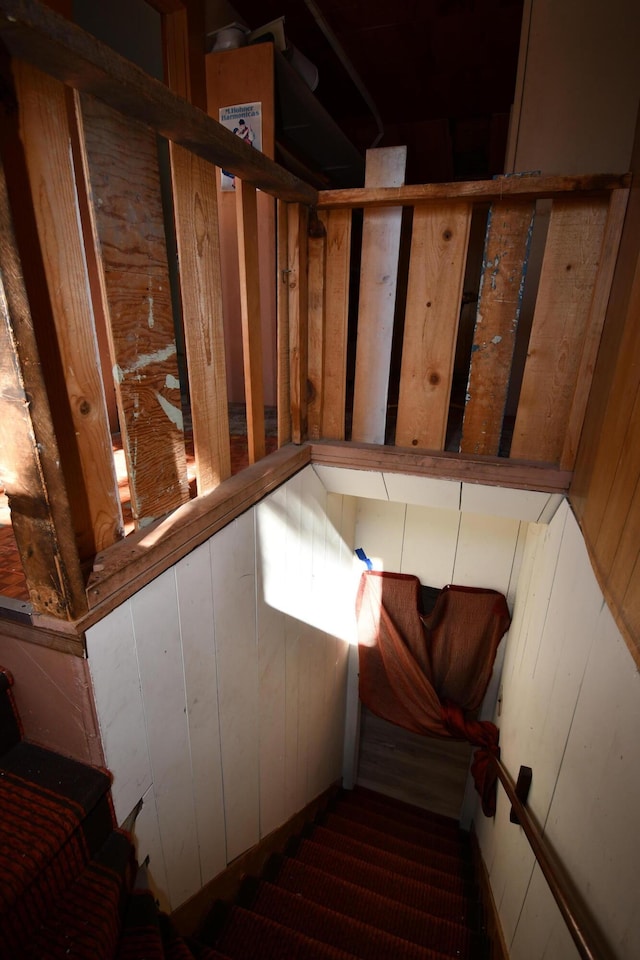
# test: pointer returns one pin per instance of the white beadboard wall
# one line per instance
(220, 686)
(571, 711)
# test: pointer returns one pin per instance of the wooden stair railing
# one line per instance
(584, 931)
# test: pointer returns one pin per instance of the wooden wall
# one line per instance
(220, 692)
(605, 492)
(571, 711)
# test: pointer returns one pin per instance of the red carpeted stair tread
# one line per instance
(449, 936)
(363, 795)
(247, 936)
(382, 841)
(86, 920)
(413, 892)
(141, 935)
(421, 819)
(363, 940)
(400, 828)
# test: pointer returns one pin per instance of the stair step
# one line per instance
(329, 926)
(246, 936)
(361, 794)
(409, 851)
(10, 732)
(86, 920)
(398, 827)
(451, 935)
(141, 935)
(410, 815)
(413, 892)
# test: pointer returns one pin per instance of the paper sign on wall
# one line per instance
(245, 120)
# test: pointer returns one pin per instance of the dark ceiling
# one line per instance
(441, 73)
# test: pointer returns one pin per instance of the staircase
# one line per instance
(371, 878)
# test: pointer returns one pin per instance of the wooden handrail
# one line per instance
(32, 32)
(587, 936)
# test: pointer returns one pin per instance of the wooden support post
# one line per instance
(282, 306)
(436, 274)
(378, 281)
(298, 331)
(338, 227)
(196, 215)
(317, 249)
(250, 315)
(31, 467)
(46, 134)
(122, 172)
(504, 268)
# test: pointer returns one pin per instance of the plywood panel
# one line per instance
(156, 626)
(338, 227)
(195, 601)
(125, 194)
(504, 268)
(233, 574)
(429, 545)
(434, 296)
(46, 134)
(378, 281)
(197, 236)
(113, 663)
(560, 324)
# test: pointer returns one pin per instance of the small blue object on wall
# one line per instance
(361, 555)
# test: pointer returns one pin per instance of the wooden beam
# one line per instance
(46, 134)
(498, 472)
(167, 6)
(567, 279)
(504, 268)
(123, 174)
(298, 330)
(525, 188)
(317, 256)
(250, 315)
(196, 215)
(31, 467)
(338, 227)
(51, 43)
(377, 302)
(434, 296)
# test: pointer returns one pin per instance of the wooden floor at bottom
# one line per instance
(425, 771)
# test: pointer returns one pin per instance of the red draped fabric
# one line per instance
(430, 674)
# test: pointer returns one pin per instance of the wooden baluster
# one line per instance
(298, 335)
(282, 306)
(436, 274)
(504, 268)
(317, 253)
(338, 226)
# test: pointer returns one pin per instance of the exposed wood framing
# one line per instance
(53, 44)
(525, 188)
(504, 267)
(282, 307)
(298, 335)
(196, 215)
(377, 303)
(123, 174)
(436, 274)
(567, 280)
(317, 253)
(338, 227)
(250, 315)
(31, 468)
(46, 135)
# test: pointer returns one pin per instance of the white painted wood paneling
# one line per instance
(354, 483)
(380, 532)
(113, 664)
(485, 551)
(234, 603)
(429, 545)
(541, 932)
(148, 846)
(423, 491)
(195, 603)
(155, 620)
(503, 501)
